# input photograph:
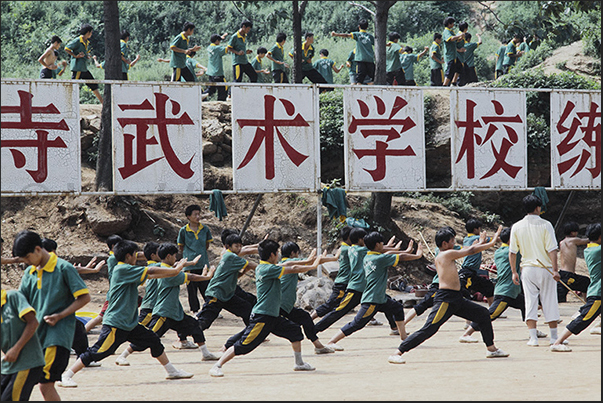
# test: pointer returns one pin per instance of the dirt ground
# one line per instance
(440, 369)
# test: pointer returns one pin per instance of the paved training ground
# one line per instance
(439, 369)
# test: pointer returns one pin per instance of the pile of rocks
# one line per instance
(217, 133)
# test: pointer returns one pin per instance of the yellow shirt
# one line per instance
(534, 237)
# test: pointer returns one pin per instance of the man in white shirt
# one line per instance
(535, 239)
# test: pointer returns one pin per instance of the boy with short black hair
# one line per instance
(308, 69)
(449, 300)
(326, 66)
(364, 55)
(180, 49)
(471, 274)
(120, 323)
(237, 46)
(276, 54)
(23, 361)
(374, 297)
(469, 74)
(453, 64)
(408, 60)
(436, 61)
(49, 58)
(215, 66)
(194, 239)
(394, 65)
(56, 291)
(256, 63)
(79, 52)
(511, 53)
(265, 318)
(592, 309)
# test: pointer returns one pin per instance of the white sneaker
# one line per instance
(304, 367)
(216, 371)
(185, 345)
(211, 357)
(396, 359)
(533, 343)
(67, 382)
(468, 339)
(595, 330)
(375, 322)
(324, 350)
(560, 348)
(94, 364)
(394, 332)
(179, 374)
(496, 354)
(122, 362)
(335, 347)
(540, 334)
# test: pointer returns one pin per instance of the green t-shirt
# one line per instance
(357, 279)
(437, 50)
(122, 311)
(77, 46)
(215, 66)
(195, 243)
(178, 60)
(364, 46)
(470, 53)
(278, 53)
(192, 65)
(352, 60)
(450, 52)
(268, 286)
(343, 274)
(224, 282)
(393, 57)
(504, 275)
(325, 67)
(500, 57)
(592, 256)
(459, 45)
(168, 296)
(237, 43)
(150, 289)
(256, 63)
(125, 48)
(288, 288)
(307, 57)
(408, 65)
(376, 266)
(472, 262)
(511, 50)
(524, 47)
(14, 307)
(50, 290)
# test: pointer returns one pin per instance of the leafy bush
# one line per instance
(430, 122)
(331, 121)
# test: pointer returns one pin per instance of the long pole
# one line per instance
(565, 285)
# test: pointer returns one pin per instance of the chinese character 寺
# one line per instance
(382, 150)
(265, 132)
(42, 143)
(142, 126)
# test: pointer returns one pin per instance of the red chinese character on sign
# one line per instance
(142, 126)
(382, 150)
(265, 132)
(25, 111)
(592, 138)
(471, 139)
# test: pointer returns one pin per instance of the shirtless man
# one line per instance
(568, 249)
(49, 60)
(449, 300)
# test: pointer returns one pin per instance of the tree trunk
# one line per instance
(297, 76)
(104, 163)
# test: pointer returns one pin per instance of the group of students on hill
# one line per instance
(451, 58)
(39, 321)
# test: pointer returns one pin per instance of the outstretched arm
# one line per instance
(165, 272)
(482, 245)
(341, 35)
(207, 274)
(88, 269)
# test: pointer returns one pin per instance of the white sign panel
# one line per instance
(576, 140)
(40, 128)
(275, 139)
(384, 139)
(157, 139)
(488, 139)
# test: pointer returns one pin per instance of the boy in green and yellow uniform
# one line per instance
(56, 291)
(120, 323)
(150, 287)
(23, 361)
(238, 47)
(408, 60)
(326, 66)
(365, 54)
(215, 66)
(511, 54)
(259, 68)
(276, 54)
(469, 74)
(394, 65)
(307, 67)
(266, 318)
(180, 49)
(500, 58)
(453, 64)
(79, 51)
(436, 62)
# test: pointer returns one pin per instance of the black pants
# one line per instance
(473, 282)
(500, 304)
(303, 318)
(348, 302)
(84, 75)
(185, 73)
(188, 326)
(337, 294)
(314, 76)
(80, 338)
(446, 304)
(18, 386)
(363, 70)
(437, 77)
(397, 75)
(427, 301)
(240, 69)
(222, 90)
(367, 311)
(588, 313)
(280, 76)
(575, 281)
(260, 326)
(191, 289)
(212, 307)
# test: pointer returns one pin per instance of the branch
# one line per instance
(302, 8)
(362, 7)
(489, 9)
(238, 9)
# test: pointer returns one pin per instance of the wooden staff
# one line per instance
(565, 285)
(426, 244)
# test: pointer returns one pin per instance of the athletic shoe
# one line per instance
(304, 367)
(179, 374)
(324, 350)
(468, 339)
(185, 345)
(396, 359)
(94, 364)
(496, 354)
(394, 332)
(335, 347)
(533, 343)
(595, 330)
(560, 348)
(540, 334)
(67, 382)
(216, 371)
(211, 357)
(375, 322)
(121, 361)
